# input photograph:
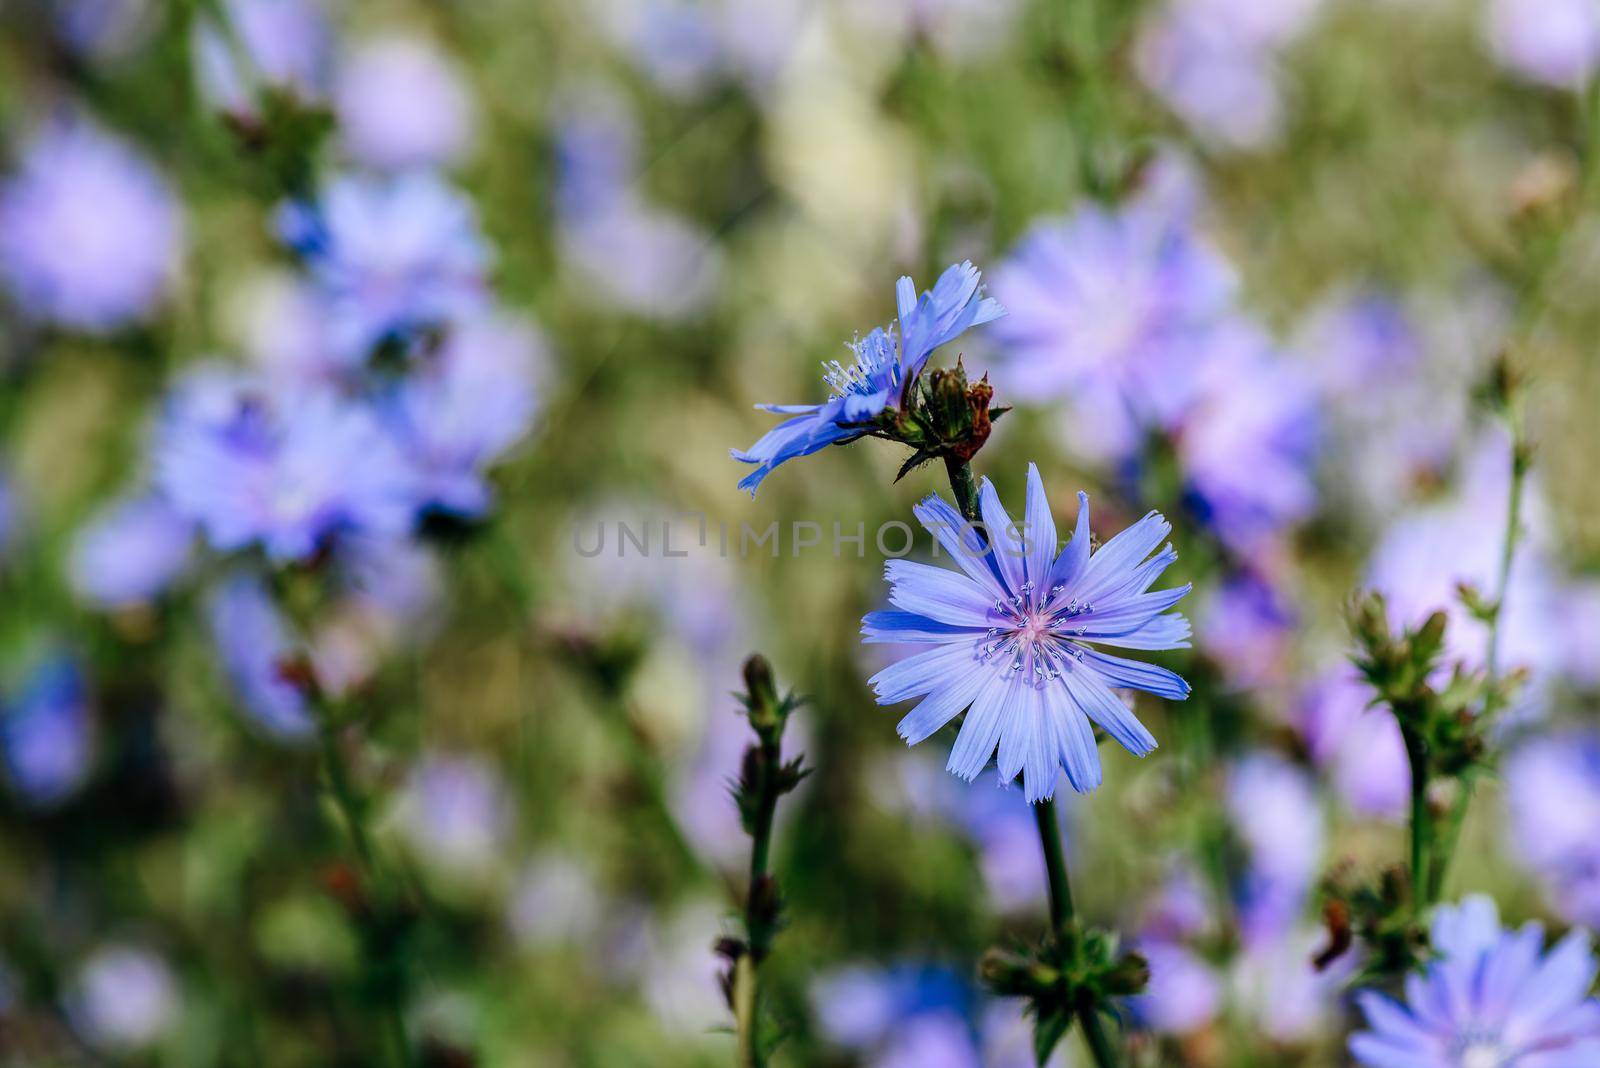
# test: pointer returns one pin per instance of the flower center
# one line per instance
(1480, 1051)
(1033, 632)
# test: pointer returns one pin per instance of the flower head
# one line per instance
(389, 256)
(282, 45)
(46, 737)
(882, 366)
(1553, 792)
(403, 104)
(1014, 636)
(253, 643)
(1492, 999)
(250, 466)
(130, 552)
(90, 234)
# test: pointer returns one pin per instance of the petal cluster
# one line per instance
(1492, 999)
(873, 382)
(1014, 636)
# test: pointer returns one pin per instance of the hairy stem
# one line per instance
(965, 489)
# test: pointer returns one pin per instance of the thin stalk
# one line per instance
(1061, 922)
(352, 813)
(744, 1012)
(1421, 825)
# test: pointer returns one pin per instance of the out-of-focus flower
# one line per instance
(1102, 307)
(45, 733)
(280, 323)
(1014, 635)
(289, 473)
(461, 407)
(282, 46)
(874, 382)
(389, 256)
(680, 979)
(123, 999)
(104, 29)
(90, 235)
(1357, 746)
(390, 593)
(555, 902)
(1417, 579)
(401, 103)
(254, 645)
(455, 813)
(1492, 997)
(130, 552)
(674, 42)
(1247, 625)
(1184, 993)
(629, 252)
(912, 1015)
(1247, 439)
(1274, 985)
(1553, 790)
(1215, 63)
(1552, 42)
(1273, 808)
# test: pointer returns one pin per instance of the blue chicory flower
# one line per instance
(403, 104)
(45, 734)
(90, 234)
(464, 405)
(285, 46)
(254, 644)
(1492, 999)
(1553, 793)
(1014, 636)
(288, 472)
(874, 382)
(390, 256)
(130, 552)
(1550, 42)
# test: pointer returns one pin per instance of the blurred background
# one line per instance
(337, 336)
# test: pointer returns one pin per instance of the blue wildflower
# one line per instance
(288, 472)
(254, 644)
(45, 737)
(879, 374)
(1014, 636)
(130, 552)
(1492, 999)
(389, 256)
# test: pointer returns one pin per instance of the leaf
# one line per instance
(1049, 1028)
(918, 458)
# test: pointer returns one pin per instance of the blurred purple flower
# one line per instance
(104, 29)
(1357, 746)
(130, 552)
(1247, 438)
(401, 103)
(287, 472)
(123, 999)
(875, 381)
(1552, 42)
(673, 42)
(1279, 992)
(1102, 305)
(254, 644)
(1215, 63)
(1014, 636)
(283, 46)
(1553, 793)
(1184, 993)
(455, 813)
(461, 407)
(46, 734)
(1247, 625)
(1272, 805)
(90, 234)
(556, 902)
(1492, 997)
(389, 255)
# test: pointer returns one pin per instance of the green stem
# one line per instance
(351, 811)
(759, 916)
(965, 489)
(1421, 824)
(1061, 923)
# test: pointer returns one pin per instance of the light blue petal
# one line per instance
(1136, 675)
(1041, 532)
(1109, 566)
(1106, 709)
(958, 538)
(891, 626)
(1075, 557)
(921, 673)
(943, 704)
(1008, 545)
(1074, 739)
(980, 732)
(945, 596)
